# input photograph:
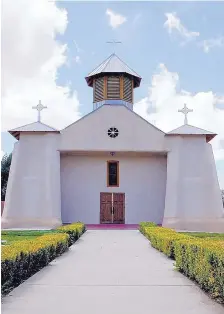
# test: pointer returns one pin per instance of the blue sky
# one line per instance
(147, 42)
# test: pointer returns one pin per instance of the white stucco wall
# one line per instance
(43, 186)
(193, 198)
(143, 180)
(33, 194)
(90, 133)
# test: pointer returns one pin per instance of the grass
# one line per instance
(12, 236)
(205, 235)
(17, 235)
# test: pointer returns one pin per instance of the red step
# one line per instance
(111, 226)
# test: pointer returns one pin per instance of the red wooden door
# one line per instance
(105, 208)
(118, 208)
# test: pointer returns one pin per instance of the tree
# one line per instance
(222, 193)
(5, 167)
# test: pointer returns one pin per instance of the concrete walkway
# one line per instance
(110, 272)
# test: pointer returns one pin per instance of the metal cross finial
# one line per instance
(185, 111)
(39, 108)
(114, 42)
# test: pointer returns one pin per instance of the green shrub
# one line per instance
(200, 259)
(22, 259)
(145, 224)
(74, 230)
(163, 239)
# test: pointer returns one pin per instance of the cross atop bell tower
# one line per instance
(114, 43)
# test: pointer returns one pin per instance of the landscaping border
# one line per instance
(202, 260)
(22, 259)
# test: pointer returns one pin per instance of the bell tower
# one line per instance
(113, 83)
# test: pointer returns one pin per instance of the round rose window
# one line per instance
(113, 132)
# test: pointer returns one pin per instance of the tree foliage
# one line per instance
(222, 192)
(5, 167)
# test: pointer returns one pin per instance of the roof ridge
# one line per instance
(195, 127)
(107, 61)
(104, 61)
(127, 65)
(101, 67)
(99, 108)
(22, 126)
(48, 125)
(18, 127)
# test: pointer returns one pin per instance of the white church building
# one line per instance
(113, 167)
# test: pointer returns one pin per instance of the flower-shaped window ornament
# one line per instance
(113, 132)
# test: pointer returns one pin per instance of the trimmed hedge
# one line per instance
(74, 231)
(22, 259)
(202, 260)
(145, 224)
(163, 239)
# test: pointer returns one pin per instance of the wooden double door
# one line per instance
(112, 208)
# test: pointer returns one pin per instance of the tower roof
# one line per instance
(113, 64)
(32, 127)
(187, 129)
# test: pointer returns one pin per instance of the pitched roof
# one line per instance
(32, 127)
(121, 105)
(187, 129)
(113, 64)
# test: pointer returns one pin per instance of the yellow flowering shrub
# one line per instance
(78, 226)
(145, 224)
(201, 259)
(163, 239)
(74, 230)
(22, 259)
(11, 252)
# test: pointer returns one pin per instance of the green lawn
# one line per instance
(12, 236)
(214, 236)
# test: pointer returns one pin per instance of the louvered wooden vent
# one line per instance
(98, 89)
(127, 89)
(113, 87)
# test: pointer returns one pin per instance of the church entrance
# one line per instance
(112, 208)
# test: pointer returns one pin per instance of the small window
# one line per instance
(112, 173)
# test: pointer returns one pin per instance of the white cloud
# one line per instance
(31, 57)
(115, 19)
(173, 23)
(77, 47)
(209, 44)
(77, 59)
(165, 98)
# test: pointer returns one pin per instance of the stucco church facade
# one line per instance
(113, 167)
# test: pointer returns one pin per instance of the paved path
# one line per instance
(110, 272)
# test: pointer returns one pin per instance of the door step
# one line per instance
(111, 226)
